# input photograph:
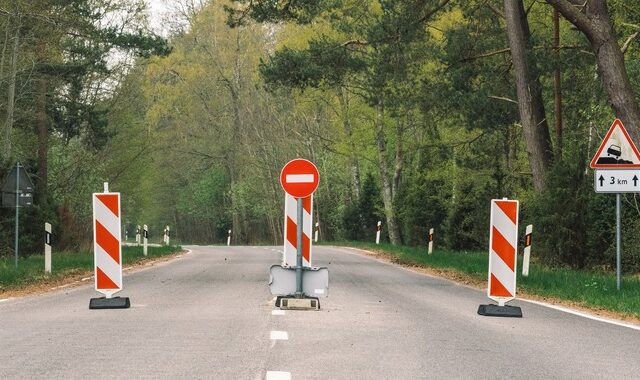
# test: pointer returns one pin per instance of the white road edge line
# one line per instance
(354, 251)
(277, 312)
(581, 314)
(278, 375)
(279, 335)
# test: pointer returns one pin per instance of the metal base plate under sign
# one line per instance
(292, 303)
(109, 303)
(500, 311)
(315, 281)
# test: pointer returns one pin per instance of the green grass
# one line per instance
(31, 269)
(596, 290)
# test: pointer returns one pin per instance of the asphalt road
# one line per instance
(209, 315)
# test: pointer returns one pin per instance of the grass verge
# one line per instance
(66, 266)
(591, 290)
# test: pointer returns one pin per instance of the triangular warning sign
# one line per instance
(617, 150)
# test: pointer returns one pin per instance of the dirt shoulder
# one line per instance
(466, 280)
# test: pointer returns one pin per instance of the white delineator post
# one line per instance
(138, 235)
(47, 247)
(378, 232)
(315, 235)
(430, 240)
(503, 241)
(168, 235)
(527, 250)
(145, 236)
(229, 239)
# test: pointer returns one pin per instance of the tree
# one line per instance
(593, 20)
(530, 104)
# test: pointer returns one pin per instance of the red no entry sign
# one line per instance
(299, 178)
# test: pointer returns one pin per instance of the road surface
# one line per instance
(209, 315)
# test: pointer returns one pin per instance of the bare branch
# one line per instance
(503, 98)
(575, 16)
(628, 42)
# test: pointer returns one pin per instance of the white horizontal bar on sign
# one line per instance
(299, 178)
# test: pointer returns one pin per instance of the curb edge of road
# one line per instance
(580, 313)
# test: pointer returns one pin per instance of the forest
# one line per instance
(416, 112)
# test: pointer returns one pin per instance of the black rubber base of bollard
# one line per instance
(500, 311)
(109, 303)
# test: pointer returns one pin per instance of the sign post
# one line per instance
(17, 191)
(299, 179)
(617, 170)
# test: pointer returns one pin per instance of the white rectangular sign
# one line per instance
(617, 180)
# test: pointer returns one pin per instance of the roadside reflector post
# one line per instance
(229, 239)
(168, 235)
(527, 250)
(145, 237)
(503, 241)
(126, 235)
(430, 240)
(107, 250)
(138, 235)
(378, 232)
(315, 235)
(47, 248)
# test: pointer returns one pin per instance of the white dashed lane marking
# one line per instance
(279, 335)
(277, 312)
(278, 375)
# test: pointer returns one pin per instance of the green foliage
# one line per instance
(325, 62)
(361, 218)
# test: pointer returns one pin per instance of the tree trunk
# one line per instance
(43, 129)
(528, 88)
(353, 160)
(557, 85)
(387, 191)
(595, 23)
(239, 219)
(11, 94)
(399, 162)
